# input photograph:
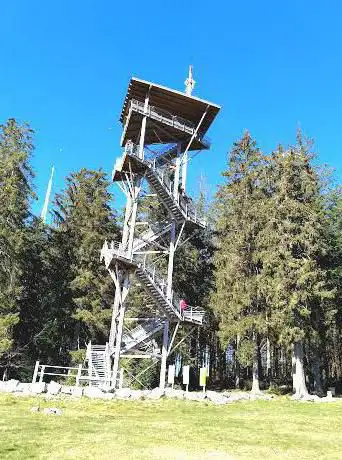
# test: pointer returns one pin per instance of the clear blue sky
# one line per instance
(271, 65)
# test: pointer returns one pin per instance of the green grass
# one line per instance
(91, 429)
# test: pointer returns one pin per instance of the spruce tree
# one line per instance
(237, 300)
(294, 283)
(15, 195)
(86, 220)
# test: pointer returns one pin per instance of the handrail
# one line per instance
(183, 201)
(176, 121)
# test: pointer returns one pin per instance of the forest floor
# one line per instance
(165, 429)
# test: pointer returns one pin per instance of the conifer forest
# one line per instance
(267, 269)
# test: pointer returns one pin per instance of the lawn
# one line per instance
(90, 429)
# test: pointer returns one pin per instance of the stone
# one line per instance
(38, 387)
(52, 411)
(195, 396)
(54, 388)
(174, 394)
(24, 387)
(123, 393)
(66, 389)
(93, 392)
(11, 386)
(76, 392)
(156, 393)
(137, 394)
(333, 391)
(239, 396)
(217, 398)
(108, 396)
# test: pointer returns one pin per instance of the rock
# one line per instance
(52, 411)
(194, 396)
(239, 396)
(123, 393)
(306, 397)
(24, 387)
(38, 387)
(11, 386)
(66, 389)
(53, 388)
(76, 392)
(108, 396)
(93, 392)
(156, 393)
(217, 398)
(137, 394)
(174, 394)
(2, 385)
(260, 395)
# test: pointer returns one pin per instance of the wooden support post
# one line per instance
(176, 179)
(42, 370)
(78, 376)
(171, 257)
(121, 377)
(143, 126)
(164, 354)
(119, 331)
(35, 372)
(184, 169)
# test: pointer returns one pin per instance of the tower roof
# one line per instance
(175, 102)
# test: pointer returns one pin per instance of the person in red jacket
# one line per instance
(182, 305)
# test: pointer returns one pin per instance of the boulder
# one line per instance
(66, 389)
(195, 396)
(239, 396)
(54, 388)
(11, 386)
(52, 411)
(217, 398)
(123, 393)
(38, 387)
(137, 394)
(174, 394)
(35, 409)
(24, 387)
(108, 396)
(93, 392)
(156, 393)
(76, 392)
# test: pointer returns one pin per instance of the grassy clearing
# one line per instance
(169, 430)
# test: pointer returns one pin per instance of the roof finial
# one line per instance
(189, 83)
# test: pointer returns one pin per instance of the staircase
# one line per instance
(140, 334)
(150, 236)
(99, 365)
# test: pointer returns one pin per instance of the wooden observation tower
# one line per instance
(162, 128)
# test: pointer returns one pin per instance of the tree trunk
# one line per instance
(237, 365)
(298, 374)
(316, 373)
(255, 368)
(268, 361)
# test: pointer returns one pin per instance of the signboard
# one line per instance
(186, 375)
(171, 374)
(203, 376)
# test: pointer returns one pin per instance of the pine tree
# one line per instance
(15, 195)
(237, 300)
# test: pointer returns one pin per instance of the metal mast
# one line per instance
(161, 127)
(47, 197)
